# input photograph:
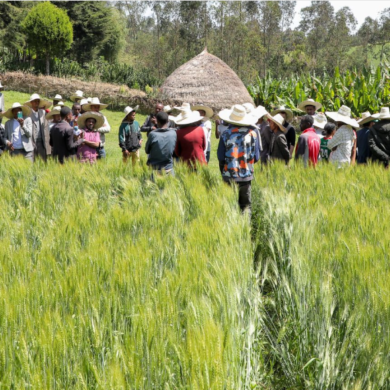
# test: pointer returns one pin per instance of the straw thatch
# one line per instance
(115, 95)
(206, 80)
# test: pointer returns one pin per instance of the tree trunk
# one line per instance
(47, 65)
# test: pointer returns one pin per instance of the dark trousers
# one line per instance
(244, 194)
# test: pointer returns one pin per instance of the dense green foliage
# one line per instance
(323, 254)
(109, 280)
(361, 90)
(48, 31)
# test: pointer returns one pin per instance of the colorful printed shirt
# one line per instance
(324, 151)
(237, 151)
(308, 147)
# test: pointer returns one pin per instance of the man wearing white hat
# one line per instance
(40, 129)
(290, 134)
(77, 96)
(308, 145)
(53, 117)
(2, 106)
(95, 106)
(279, 147)
(342, 143)
(57, 99)
(363, 148)
(309, 107)
(379, 138)
(130, 137)
(237, 152)
(18, 131)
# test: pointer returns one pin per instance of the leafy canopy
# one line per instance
(48, 29)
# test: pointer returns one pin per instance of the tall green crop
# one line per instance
(111, 281)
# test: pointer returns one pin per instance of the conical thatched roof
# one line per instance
(206, 80)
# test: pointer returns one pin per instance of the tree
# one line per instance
(49, 31)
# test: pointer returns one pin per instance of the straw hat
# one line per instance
(343, 115)
(259, 112)
(94, 102)
(187, 117)
(128, 110)
(384, 113)
(90, 114)
(55, 111)
(367, 117)
(43, 102)
(288, 112)
(278, 120)
(237, 115)
(25, 109)
(320, 120)
(209, 111)
(167, 108)
(309, 102)
(89, 99)
(77, 95)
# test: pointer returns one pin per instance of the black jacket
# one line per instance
(279, 149)
(379, 142)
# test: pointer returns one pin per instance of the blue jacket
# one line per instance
(160, 147)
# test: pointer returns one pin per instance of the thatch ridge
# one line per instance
(206, 79)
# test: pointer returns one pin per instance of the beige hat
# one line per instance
(25, 109)
(77, 95)
(259, 112)
(209, 111)
(278, 120)
(187, 117)
(320, 120)
(128, 110)
(83, 101)
(55, 111)
(343, 115)
(367, 117)
(184, 106)
(94, 102)
(309, 102)
(43, 102)
(90, 114)
(237, 115)
(289, 113)
(384, 113)
(167, 108)
(57, 97)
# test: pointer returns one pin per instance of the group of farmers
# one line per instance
(246, 134)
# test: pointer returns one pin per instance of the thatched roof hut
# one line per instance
(206, 80)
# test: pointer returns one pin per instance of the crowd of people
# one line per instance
(246, 134)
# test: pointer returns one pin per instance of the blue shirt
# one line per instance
(160, 147)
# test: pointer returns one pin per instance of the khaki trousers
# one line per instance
(134, 157)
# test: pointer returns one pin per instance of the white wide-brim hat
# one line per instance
(43, 102)
(367, 117)
(384, 113)
(278, 120)
(167, 109)
(57, 97)
(128, 110)
(26, 110)
(209, 111)
(343, 115)
(94, 102)
(249, 107)
(289, 113)
(259, 112)
(237, 115)
(77, 95)
(187, 117)
(184, 106)
(309, 102)
(83, 101)
(55, 111)
(320, 120)
(90, 114)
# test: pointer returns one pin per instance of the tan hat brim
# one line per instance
(90, 114)
(335, 116)
(209, 111)
(247, 120)
(281, 127)
(188, 121)
(288, 112)
(305, 103)
(25, 110)
(87, 107)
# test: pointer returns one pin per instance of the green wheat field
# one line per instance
(109, 280)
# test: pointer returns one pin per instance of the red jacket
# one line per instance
(190, 144)
(308, 147)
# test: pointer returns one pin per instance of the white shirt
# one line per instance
(207, 133)
(344, 139)
(16, 135)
